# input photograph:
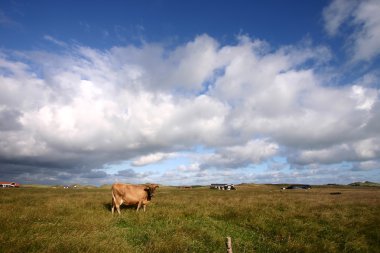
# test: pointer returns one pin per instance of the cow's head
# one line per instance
(150, 188)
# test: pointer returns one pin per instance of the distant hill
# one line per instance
(366, 183)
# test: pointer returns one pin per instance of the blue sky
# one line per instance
(103, 24)
(191, 92)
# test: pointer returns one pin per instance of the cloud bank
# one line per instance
(71, 116)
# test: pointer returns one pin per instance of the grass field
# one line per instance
(259, 218)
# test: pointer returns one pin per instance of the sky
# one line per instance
(189, 92)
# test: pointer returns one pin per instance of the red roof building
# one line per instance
(9, 184)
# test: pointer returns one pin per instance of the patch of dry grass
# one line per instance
(258, 218)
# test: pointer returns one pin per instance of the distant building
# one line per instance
(226, 187)
(74, 186)
(9, 184)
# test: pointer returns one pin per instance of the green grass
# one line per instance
(258, 218)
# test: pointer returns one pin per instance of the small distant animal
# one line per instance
(129, 194)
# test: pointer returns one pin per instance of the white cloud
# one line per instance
(194, 167)
(367, 43)
(55, 41)
(86, 109)
(368, 148)
(362, 150)
(365, 98)
(366, 166)
(252, 152)
(151, 158)
(337, 13)
(330, 155)
(362, 17)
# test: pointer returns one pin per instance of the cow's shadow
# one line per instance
(108, 206)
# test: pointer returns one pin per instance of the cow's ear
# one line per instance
(147, 188)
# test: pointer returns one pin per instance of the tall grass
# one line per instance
(258, 218)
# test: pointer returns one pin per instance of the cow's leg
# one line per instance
(144, 207)
(113, 206)
(138, 206)
(117, 204)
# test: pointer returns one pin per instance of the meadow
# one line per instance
(258, 218)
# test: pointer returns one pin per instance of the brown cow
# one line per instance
(131, 195)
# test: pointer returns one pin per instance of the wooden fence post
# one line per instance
(229, 245)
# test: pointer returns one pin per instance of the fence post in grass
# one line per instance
(229, 245)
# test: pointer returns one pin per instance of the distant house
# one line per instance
(9, 184)
(74, 186)
(226, 187)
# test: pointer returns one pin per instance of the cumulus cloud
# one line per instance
(72, 115)
(363, 18)
(253, 152)
(9, 120)
(362, 150)
(337, 13)
(151, 158)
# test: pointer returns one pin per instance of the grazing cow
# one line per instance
(131, 195)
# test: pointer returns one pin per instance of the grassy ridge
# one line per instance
(258, 218)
